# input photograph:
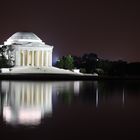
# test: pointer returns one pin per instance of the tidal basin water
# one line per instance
(69, 109)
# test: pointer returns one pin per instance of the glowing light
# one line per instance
(55, 58)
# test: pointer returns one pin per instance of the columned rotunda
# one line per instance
(27, 53)
(30, 50)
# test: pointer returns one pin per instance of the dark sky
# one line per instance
(110, 29)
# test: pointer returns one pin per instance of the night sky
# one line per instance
(111, 29)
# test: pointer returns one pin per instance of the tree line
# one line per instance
(90, 63)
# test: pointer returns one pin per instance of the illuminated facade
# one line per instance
(30, 50)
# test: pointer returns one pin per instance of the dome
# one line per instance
(21, 37)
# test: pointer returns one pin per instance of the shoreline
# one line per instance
(61, 77)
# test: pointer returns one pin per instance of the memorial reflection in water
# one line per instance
(26, 103)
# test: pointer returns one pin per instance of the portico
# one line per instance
(34, 58)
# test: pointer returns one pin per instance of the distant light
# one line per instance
(55, 58)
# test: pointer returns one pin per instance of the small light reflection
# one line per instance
(97, 93)
(76, 87)
(97, 97)
(123, 97)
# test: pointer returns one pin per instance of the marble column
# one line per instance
(27, 59)
(46, 59)
(23, 58)
(50, 59)
(32, 60)
(19, 58)
(37, 58)
(42, 58)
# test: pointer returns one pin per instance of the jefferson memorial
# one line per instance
(29, 54)
(30, 50)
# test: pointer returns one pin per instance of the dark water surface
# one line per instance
(70, 110)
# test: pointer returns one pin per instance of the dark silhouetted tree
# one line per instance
(89, 62)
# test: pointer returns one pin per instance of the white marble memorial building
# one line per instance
(30, 50)
(27, 53)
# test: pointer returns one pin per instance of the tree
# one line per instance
(89, 62)
(77, 61)
(7, 57)
(117, 68)
(105, 66)
(66, 62)
(3, 62)
(60, 63)
(133, 68)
